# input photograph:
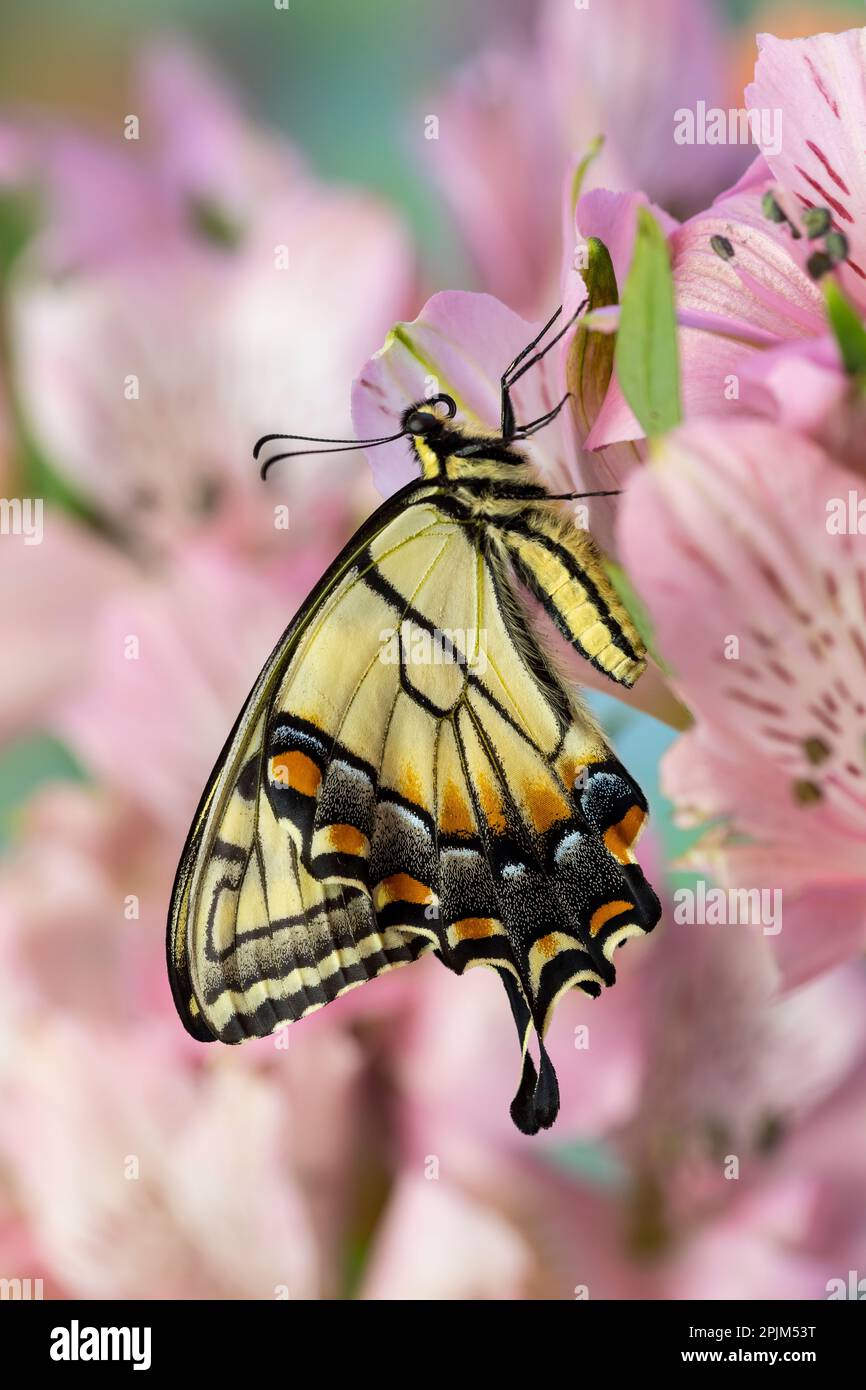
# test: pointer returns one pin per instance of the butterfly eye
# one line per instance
(422, 422)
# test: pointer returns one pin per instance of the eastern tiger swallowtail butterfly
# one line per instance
(410, 772)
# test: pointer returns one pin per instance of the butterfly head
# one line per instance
(426, 424)
(444, 449)
(435, 440)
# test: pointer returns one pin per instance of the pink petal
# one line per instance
(765, 285)
(54, 583)
(612, 217)
(802, 384)
(171, 660)
(817, 84)
(460, 344)
(596, 66)
(824, 926)
(498, 160)
(728, 310)
(199, 138)
(82, 905)
(440, 1243)
(727, 538)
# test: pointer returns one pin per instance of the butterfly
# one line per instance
(410, 772)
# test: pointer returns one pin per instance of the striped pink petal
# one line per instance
(819, 85)
(760, 609)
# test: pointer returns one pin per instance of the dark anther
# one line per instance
(817, 222)
(771, 209)
(819, 264)
(836, 246)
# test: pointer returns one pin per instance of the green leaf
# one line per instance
(647, 358)
(18, 222)
(592, 154)
(590, 363)
(590, 357)
(848, 328)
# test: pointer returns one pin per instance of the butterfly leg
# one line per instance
(509, 429)
(534, 426)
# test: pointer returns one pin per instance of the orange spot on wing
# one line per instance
(474, 928)
(620, 837)
(544, 804)
(296, 770)
(548, 945)
(346, 839)
(491, 804)
(604, 913)
(402, 888)
(409, 785)
(568, 770)
(571, 770)
(455, 817)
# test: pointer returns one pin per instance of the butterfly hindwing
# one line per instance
(552, 819)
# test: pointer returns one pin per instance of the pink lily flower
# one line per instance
(740, 543)
(758, 297)
(191, 357)
(172, 305)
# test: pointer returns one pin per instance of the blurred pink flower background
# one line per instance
(172, 297)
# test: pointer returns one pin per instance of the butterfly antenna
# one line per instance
(570, 496)
(551, 343)
(335, 446)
